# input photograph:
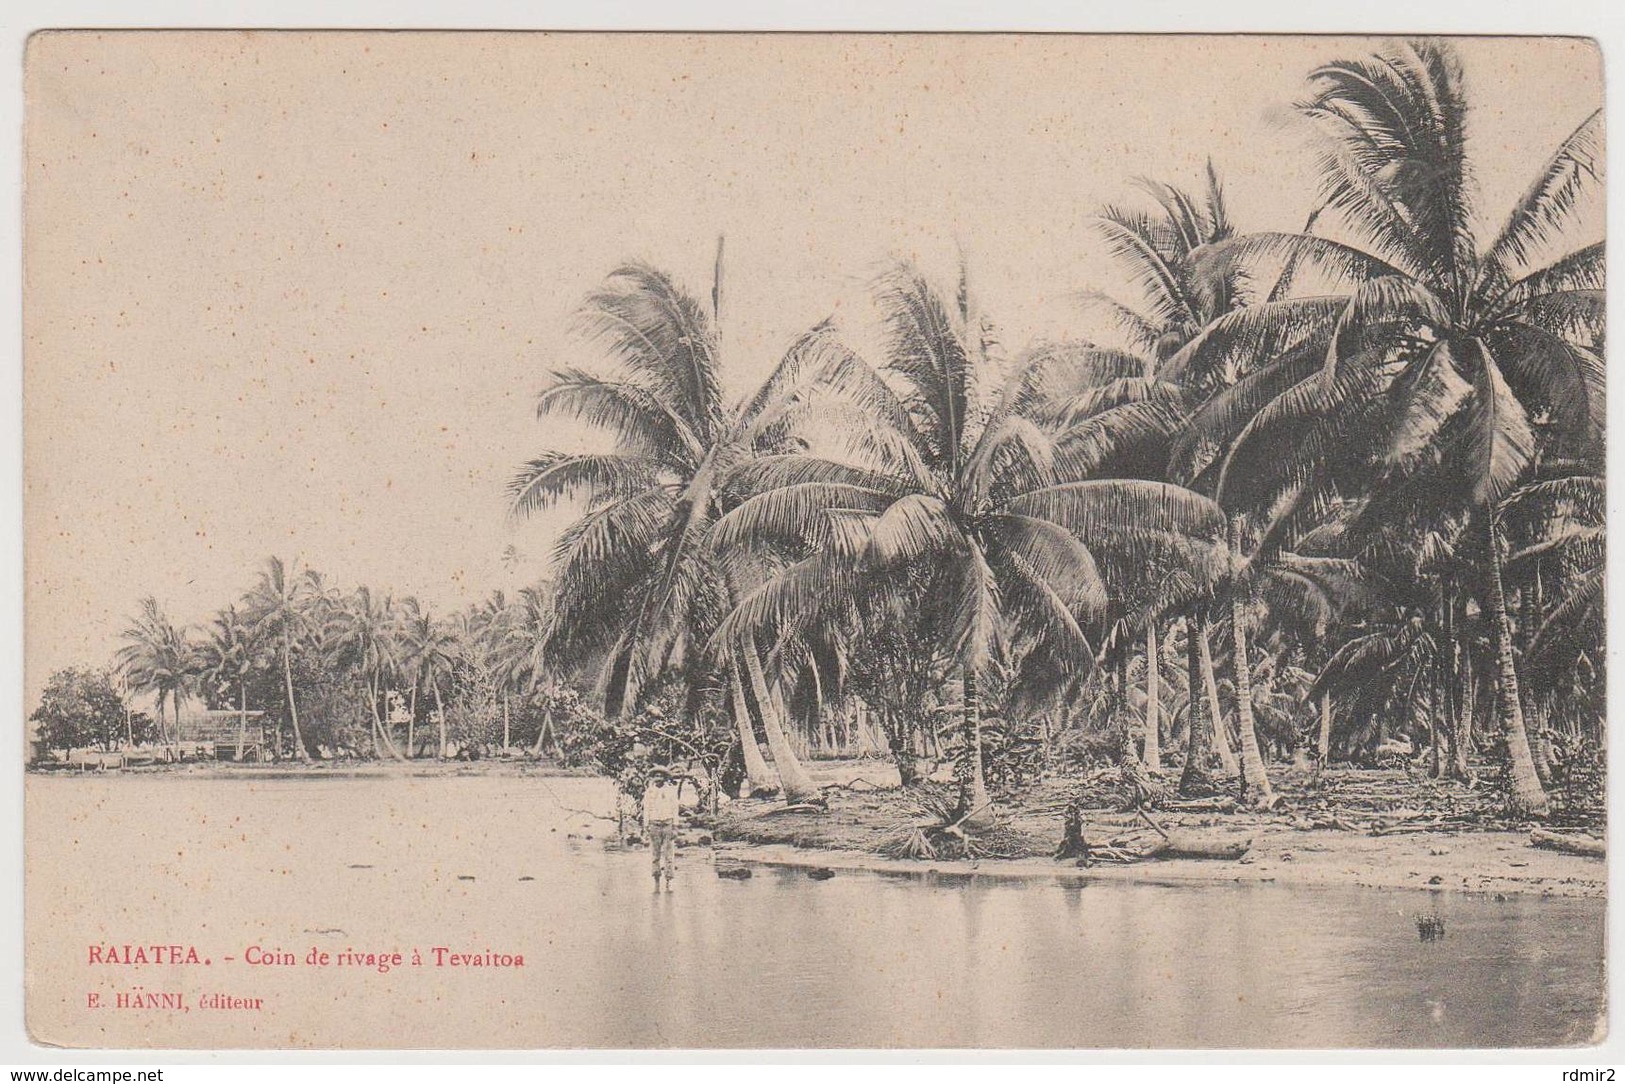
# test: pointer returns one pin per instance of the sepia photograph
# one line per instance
(763, 541)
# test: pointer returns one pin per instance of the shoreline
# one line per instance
(1563, 881)
(423, 768)
(1288, 848)
(1350, 828)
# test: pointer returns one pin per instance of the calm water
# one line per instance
(778, 960)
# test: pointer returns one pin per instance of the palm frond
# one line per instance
(1088, 506)
(797, 514)
(924, 347)
(915, 527)
(552, 476)
(1501, 442)
(658, 331)
(1546, 210)
(641, 423)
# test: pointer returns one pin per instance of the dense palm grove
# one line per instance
(1310, 496)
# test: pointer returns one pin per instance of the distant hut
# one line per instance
(222, 735)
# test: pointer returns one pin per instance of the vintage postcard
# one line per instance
(601, 541)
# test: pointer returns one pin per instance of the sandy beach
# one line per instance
(1383, 841)
(1385, 845)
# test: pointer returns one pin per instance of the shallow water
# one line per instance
(779, 960)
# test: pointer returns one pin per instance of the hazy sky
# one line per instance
(295, 293)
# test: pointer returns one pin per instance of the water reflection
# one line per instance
(779, 960)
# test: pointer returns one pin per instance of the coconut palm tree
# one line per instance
(363, 638)
(228, 657)
(526, 630)
(428, 654)
(280, 610)
(1184, 282)
(1171, 257)
(986, 496)
(1563, 550)
(636, 583)
(158, 658)
(1454, 363)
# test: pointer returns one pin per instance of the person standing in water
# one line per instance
(660, 823)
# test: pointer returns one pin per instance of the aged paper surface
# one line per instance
(969, 422)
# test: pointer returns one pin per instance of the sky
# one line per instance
(295, 293)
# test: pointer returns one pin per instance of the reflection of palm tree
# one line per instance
(157, 658)
(279, 608)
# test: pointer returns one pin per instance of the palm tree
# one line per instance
(1561, 556)
(428, 654)
(1174, 259)
(527, 631)
(159, 659)
(525, 665)
(228, 657)
(636, 583)
(363, 638)
(1453, 365)
(278, 609)
(1169, 256)
(986, 498)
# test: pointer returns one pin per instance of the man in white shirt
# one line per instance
(660, 822)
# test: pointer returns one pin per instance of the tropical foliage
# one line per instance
(1326, 493)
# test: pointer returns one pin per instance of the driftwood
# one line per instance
(1075, 844)
(1201, 805)
(1191, 847)
(1087, 852)
(1567, 843)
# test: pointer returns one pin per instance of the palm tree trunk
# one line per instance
(1528, 797)
(1210, 686)
(440, 711)
(1124, 721)
(242, 717)
(546, 735)
(1459, 690)
(379, 730)
(1195, 781)
(1463, 739)
(1255, 780)
(1435, 715)
(506, 716)
(1323, 742)
(793, 778)
(974, 801)
(293, 709)
(1153, 703)
(372, 711)
(759, 777)
(1528, 622)
(412, 722)
(1539, 748)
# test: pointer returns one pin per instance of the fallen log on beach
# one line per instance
(1567, 843)
(1200, 805)
(1187, 847)
(1183, 846)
